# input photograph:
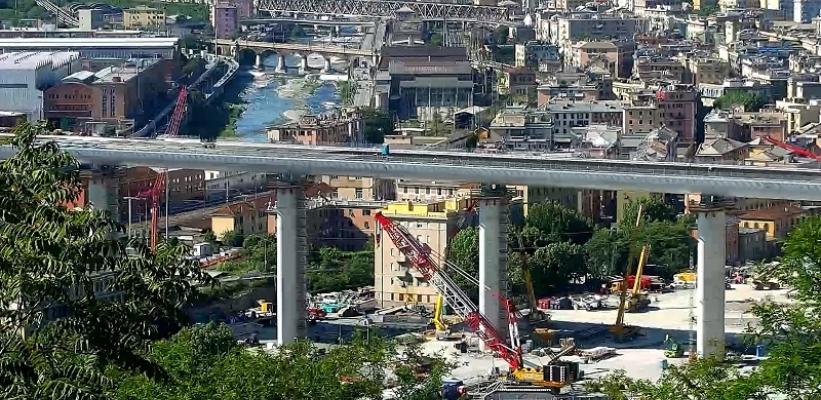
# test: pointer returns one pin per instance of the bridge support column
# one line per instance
(711, 218)
(493, 258)
(103, 190)
(291, 258)
(280, 69)
(303, 65)
(327, 67)
(258, 63)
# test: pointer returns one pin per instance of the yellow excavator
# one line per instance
(442, 330)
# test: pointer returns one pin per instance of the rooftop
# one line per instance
(773, 213)
(96, 42)
(584, 106)
(36, 59)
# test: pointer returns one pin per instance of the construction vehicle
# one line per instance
(685, 279)
(442, 331)
(674, 348)
(621, 331)
(639, 300)
(793, 148)
(554, 375)
(764, 278)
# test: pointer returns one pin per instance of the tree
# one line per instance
(555, 265)
(792, 333)
(707, 10)
(347, 91)
(501, 35)
(606, 253)
(232, 238)
(653, 209)
(58, 337)
(436, 39)
(333, 269)
(464, 252)
(750, 101)
(377, 125)
(554, 222)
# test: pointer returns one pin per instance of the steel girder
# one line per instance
(388, 8)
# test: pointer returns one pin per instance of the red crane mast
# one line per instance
(154, 195)
(179, 112)
(419, 255)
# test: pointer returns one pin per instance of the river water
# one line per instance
(269, 98)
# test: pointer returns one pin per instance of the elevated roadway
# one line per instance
(786, 182)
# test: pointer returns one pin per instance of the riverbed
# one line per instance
(272, 98)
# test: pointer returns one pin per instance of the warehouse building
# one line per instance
(25, 75)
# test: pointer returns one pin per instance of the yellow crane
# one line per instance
(535, 313)
(639, 300)
(620, 330)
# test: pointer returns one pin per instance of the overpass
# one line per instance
(294, 161)
(388, 9)
(777, 182)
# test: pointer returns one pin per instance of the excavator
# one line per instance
(554, 375)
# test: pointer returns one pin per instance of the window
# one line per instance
(401, 297)
(427, 190)
(367, 225)
(439, 191)
(358, 193)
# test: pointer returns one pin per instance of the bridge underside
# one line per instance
(387, 8)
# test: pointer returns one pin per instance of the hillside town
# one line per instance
(546, 199)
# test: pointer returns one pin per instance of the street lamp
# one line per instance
(129, 198)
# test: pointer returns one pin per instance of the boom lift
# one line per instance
(555, 375)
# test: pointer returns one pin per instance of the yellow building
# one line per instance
(244, 217)
(777, 220)
(142, 17)
(396, 283)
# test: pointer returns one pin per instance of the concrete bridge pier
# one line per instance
(280, 69)
(292, 245)
(493, 209)
(327, 67)
(711, 219)
(258, 63)
(103, 189)
(303, 64)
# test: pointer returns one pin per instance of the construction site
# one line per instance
(528, 347)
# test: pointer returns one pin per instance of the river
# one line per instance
(269, 99)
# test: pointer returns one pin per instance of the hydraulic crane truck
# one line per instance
(554, 375)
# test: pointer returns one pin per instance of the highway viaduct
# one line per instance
(294, 162)
(388, 9)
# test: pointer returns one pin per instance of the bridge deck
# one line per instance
(785, 182)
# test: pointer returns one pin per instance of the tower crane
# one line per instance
(555, 375)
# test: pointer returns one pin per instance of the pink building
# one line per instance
(245, 8)
(225, 20)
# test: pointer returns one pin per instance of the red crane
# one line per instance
(419, 255)
(179, 112)
(154, 194)
(793, 148)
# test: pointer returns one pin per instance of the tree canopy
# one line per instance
(59, 268)
(751, 101)
(463, 250)
(377, 125)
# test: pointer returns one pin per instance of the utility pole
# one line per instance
(167, 200)
(130, 198)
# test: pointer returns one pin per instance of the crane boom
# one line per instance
(179, 111)
(153, 194)
(793, 148)
(419, 255)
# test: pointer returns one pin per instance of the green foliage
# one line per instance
(347, 91)
(653, 209)
(750, 101)
(50, 260)
(233, 239)
(210, 237)
(194, 68)
(553, 222)
(501, 35)
(606, 253)
(205, 363)
(333, 269)
(464, 252)
(791, 331)
(377, 125)
(259, 254)
(435, 39)
(707, 10)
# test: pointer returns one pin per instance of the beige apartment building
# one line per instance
(142, 17)
(426, 191)
(357, 187)
(396, 282)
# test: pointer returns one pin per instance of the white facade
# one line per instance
(805, 10)
(25, 75)
(217, 183)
